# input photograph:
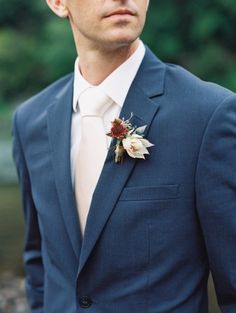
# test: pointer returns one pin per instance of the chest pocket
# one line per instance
(161, 192)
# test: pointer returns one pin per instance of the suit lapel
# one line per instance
(59, 130)
(149, 83)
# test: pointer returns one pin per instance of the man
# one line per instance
(145, 234)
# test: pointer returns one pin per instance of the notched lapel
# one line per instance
(59, 130)
(114, 176)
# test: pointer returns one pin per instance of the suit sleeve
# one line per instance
(32, 249)
(216, 200)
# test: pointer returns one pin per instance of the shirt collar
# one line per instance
(117, 84)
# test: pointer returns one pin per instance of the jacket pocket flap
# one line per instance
(161, 192)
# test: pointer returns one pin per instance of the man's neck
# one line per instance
(96, 65)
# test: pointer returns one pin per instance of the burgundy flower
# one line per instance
(118, 130)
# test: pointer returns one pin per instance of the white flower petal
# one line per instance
(131, 154)
(140, 130)
(134, 135)
(136, 146)
(146, 143)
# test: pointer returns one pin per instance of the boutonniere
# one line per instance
(129, 139)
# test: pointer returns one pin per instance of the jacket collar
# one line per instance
(59, 132)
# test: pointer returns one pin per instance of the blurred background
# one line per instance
(36, 48)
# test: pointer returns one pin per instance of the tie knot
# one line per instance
(94, 102)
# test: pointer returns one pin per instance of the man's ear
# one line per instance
(58, 7)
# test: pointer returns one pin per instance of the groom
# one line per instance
(138, 236)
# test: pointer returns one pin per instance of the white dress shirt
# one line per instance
(116, 86)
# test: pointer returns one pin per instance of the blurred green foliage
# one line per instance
(200, 35)
(11, 230)
(36, 47)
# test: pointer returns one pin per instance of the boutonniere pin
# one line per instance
(129, 139)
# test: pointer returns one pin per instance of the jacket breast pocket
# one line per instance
(142, 193)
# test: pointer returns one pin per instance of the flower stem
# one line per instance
(119, 152)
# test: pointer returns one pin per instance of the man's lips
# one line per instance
(121, 12)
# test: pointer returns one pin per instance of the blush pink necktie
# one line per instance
(93, 103)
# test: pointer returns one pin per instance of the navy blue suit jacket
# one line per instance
(156, 226)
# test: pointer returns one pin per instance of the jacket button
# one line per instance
(85, 302)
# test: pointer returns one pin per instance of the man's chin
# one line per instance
(119, 41)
